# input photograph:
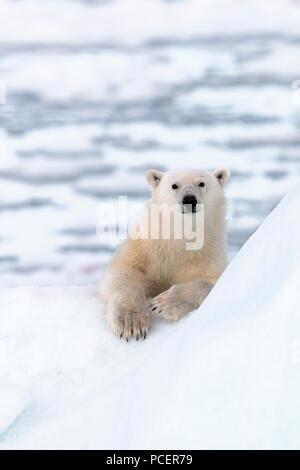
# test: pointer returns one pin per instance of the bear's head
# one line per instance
(189, 189)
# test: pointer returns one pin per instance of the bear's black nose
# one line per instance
(190, 200)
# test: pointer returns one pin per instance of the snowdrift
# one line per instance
(227, 376)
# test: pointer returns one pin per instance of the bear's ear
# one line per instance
(154, 177)
(222, 176)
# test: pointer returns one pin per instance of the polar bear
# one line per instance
(161, 276)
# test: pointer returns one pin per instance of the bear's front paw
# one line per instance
(170, 305)
(128, 324)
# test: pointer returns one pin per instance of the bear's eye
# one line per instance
(201, 184)
(174, 186)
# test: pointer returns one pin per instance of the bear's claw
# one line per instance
(170, 305)
(129, 325)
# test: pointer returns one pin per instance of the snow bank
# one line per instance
(227, 376)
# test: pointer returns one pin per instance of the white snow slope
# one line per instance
(227, 376)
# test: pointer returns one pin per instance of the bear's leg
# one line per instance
(180, 299)
(127, 313)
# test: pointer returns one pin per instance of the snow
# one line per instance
(227, 376)
(135, 21)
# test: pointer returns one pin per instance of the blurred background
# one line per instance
(99, 91)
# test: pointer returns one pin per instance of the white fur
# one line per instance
(161, 276)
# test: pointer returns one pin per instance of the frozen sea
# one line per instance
(97, 92)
